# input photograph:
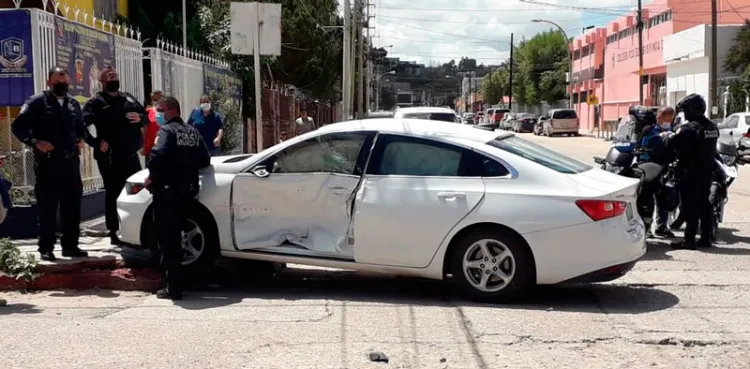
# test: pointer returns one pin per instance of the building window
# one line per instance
(106, 9)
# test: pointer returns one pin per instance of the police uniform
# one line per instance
(695, 146)
(178, 154)
(45, 117)
(107, 114)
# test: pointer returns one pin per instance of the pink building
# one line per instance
(605, 60)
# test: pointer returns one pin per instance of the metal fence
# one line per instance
(44, 35)
(182, 74)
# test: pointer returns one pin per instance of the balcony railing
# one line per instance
(588, 74)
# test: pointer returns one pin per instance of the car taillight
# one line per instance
(133, 188)
(601, 209)
(746, 135)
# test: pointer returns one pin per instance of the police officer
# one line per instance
(653, 138)
(695, 146)
(119, 119)
(50, 124)
(178, 153)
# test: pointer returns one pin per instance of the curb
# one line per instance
(123, 279)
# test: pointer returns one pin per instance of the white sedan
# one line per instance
(494, 213)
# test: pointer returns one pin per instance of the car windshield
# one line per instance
(564, 114)
(539, 154)
(445, 117)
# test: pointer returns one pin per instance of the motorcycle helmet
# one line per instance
(693, 106)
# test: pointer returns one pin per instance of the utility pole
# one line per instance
(346, 80)
(361, 54)
(639, 24)
(353, 58)
(714, 88)
(510, 82)
(368, 59)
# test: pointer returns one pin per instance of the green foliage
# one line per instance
(15, 263)
(311, 56)
(495, 85)
(540, 66)
(738, 57)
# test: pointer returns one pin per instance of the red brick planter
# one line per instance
(123, 279)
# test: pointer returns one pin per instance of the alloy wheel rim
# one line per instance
(193, 242)
(489, 265)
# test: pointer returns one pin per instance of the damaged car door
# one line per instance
(414, 192)
(297, 201)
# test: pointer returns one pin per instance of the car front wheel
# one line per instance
(198, 239)
(491, 265)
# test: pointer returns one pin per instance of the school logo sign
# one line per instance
(12, 55)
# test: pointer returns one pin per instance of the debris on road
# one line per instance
(378, 357)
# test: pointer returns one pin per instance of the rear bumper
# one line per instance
(603, 275)
(573, 252)
(563, 130)
(527, 127)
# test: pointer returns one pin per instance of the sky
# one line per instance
(436, 31)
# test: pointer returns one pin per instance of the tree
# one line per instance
(495, 85)
(540, 67)
(467, 64)
(738, 57)
(311, 56)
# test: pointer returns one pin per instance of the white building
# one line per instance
(687, 55)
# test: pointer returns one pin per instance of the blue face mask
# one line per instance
(160, 118)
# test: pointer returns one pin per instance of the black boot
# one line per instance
(47, 256)
(684, 245)
(167, 294)
(75, 253)
(114, 240)
(663, 232)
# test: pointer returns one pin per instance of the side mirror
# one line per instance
(731, 133)
(260, 171)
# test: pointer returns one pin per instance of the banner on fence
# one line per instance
(16, 59)
(216, 78)
(83, 51)
(167, 74)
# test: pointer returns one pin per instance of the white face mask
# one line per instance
(666, 126)
(206, 106)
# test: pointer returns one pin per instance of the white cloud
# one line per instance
(421, 30)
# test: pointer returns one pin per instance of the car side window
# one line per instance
(411, 156)
(747, 120)
(330, 153)
(733, 122)
(474, 164)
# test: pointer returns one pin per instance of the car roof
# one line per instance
(416, 127)
(425, 109)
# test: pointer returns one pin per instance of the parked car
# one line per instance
(506, 123)
(380, 114)
(491, 212)
(428, 113)
(735, 125)
(493, 118)
(524, 122)
(468, 118)
(561, 122)
(539, 125)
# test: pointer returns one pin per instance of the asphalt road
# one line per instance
(676, 309)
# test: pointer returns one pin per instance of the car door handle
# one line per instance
(339, 190)
(450, 195)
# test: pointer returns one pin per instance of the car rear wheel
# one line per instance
(491, 265)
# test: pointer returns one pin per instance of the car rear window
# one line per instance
(445, 117)
(539, 154)
(564, 114)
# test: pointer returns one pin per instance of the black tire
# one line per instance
(523, 273)
(196, 217)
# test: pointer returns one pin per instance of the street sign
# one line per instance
(255, 29)
(592, 100)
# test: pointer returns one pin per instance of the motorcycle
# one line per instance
(727, 164)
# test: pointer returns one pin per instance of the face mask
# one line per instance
(160, 118)
(60, 89)
(112, 86)
(206, 106)
(666, 126)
